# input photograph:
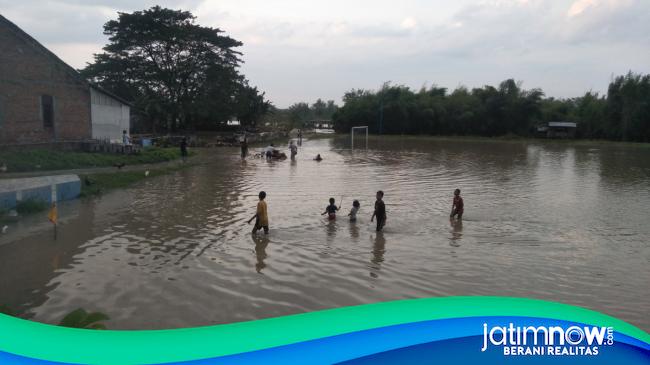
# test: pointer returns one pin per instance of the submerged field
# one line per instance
(553, 221)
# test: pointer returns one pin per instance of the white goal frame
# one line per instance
(352, 134)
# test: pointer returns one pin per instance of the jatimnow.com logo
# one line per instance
(547, 340)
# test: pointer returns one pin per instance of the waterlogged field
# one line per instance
(553, 221)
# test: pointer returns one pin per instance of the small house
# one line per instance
(557, 130)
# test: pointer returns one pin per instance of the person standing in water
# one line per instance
(294, 149)
(261, 215)
(354, 211)
(331, 209)
(457, 205)
(184, 149)
(380, 211)
(244, 147)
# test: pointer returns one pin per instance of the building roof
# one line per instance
(108, 93)
(563, 124)
(39, 47)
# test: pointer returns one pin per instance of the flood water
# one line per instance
(542, 220)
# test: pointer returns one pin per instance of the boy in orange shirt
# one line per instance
(261, 216)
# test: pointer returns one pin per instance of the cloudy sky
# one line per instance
(300, 50)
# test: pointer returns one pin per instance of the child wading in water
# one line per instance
(331, 209)
(380, 211)
(261, 215)
(457, 205)
(354, 211)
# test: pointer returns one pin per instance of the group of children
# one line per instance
(262, 219)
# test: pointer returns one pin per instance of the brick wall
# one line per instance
(26, 73)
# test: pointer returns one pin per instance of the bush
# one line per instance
(31, 206)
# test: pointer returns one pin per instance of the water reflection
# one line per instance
(354, 231)
(456, 231)
(261, 242)
(378, 250)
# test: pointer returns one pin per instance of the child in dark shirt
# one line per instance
(331, 209)
(457, 205)
(380, 211)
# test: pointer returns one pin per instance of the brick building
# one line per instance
(44, 100)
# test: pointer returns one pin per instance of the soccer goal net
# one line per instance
(359, 128)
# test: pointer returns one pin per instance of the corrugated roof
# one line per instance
(563, 124)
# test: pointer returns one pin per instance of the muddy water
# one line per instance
(543, 220)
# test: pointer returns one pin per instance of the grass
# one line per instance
(30, 206)
(96, 184)
(24, 207)
(43, 160)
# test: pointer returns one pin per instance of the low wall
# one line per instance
(44, 188)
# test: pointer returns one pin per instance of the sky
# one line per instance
(301, 50)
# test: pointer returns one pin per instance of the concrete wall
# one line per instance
(109, 116)
(26, 73)
(45, 188)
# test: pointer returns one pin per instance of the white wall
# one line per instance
(109, 116)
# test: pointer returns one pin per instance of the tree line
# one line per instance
(178, 74)
(623, 114)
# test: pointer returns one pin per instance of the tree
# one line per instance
(170, 66)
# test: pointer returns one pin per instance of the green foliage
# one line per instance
(624, 114)
(41, 159)
(179, 74)
(96, 184)
(299, 113)
(79, 318)
(29, 206)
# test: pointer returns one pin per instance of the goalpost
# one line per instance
(352, 134)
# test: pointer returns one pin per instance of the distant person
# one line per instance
(380, 211)
(299, 137)
(354, 211)
(294, 150)
(331, 209)
(184, 149)
(457, 205)
(244, 147)
(261, 215)
(318, 158)
(268, 151)
(126, 140)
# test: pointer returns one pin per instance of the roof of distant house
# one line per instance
(563, 124)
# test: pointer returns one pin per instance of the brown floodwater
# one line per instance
(554, 221)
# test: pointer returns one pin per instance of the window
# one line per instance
(47, 108)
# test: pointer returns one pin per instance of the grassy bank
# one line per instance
(43, 160)
(24, 207)
(95, 184)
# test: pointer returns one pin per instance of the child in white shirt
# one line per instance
(354, 210)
